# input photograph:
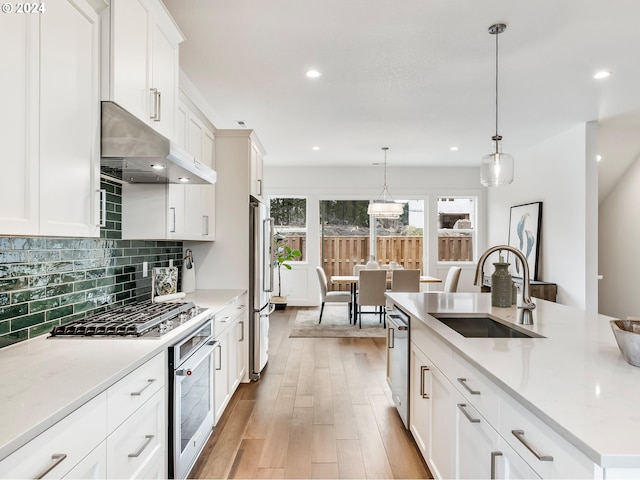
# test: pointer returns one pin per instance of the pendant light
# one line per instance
(496, 168)
(383, 207)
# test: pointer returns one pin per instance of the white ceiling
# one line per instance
(414, 75)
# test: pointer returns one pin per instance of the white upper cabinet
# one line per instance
(140, 48)
(51, 121)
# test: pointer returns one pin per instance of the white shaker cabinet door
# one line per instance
(130, 51)
(18, 123)
(164, 82)
(69, 120)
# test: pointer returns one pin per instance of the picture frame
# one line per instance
(524, 234)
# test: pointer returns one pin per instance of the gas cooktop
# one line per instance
(142, 319)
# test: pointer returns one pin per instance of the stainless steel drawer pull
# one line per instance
(463, 409)
(402, 328)
(219, 357)
(241, 323)
(390, 338)
(463, 382)
(146, 444)
(225, 319)
(519, 434)
(422, 392)
(57, 458)
(493, 463)
(139, 392)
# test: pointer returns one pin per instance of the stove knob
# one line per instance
(182, 317)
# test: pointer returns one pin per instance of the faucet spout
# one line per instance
(526, 309)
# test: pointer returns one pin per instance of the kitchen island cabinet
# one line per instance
(50, 121)
(549, 407)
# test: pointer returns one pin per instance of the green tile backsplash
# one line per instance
(47, 281)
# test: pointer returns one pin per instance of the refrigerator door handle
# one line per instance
(268, 263)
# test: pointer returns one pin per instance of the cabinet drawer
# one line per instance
(62, 446)
(560, 459)
(139, 441)
(229, 313)
(476, 388)
(131, 392)
(432, 346)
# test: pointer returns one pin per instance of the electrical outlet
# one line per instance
(145, 269)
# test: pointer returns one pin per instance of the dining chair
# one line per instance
(357, 267)
(405, 280)
(372, 285)
(332, 297)
(451, 281)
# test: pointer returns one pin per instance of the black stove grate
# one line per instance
(135, 319)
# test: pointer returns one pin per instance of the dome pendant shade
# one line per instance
(385, 207)
(496, 168)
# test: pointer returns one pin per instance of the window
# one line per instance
(346, 239)
(290, 222)
(456, 223)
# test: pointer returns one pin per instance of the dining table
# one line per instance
(352, 281)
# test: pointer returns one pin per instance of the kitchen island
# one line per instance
(45, 380)
(574, 381)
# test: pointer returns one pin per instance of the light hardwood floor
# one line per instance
(322, 409)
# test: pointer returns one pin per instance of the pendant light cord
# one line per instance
(497, 34)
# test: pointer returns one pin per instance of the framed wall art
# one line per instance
(524, 234)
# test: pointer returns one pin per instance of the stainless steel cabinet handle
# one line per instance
(154, 101)
(219, 357)
(390, 338)
(402, 327)
(463, 409)
(241, 323)
(493, 463)
(519, 434)
(259, 187)
(205, 224)
(159, 114)
(422, 393)
(57, 458)
(173, 219)
(139, 392)
(463, 382)
(103, 207)
(146, 444)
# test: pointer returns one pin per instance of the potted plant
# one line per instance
(283, 253)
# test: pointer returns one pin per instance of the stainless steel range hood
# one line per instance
(133, 152)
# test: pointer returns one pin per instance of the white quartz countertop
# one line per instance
(44, 379)
(575, 379)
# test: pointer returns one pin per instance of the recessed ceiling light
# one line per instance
(315, 148)
(598, 158)
(313, 74)
(183, 179)
(454, 149)
(158, 167)
(602, 74)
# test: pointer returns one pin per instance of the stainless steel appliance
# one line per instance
(191, 394)
(260, 284)
(133, 152)
(136, 320)
(398, 358)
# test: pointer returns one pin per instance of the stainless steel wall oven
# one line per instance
(191, 394)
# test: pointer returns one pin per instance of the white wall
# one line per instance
(316, 183)
(559, 172)
(619, 253)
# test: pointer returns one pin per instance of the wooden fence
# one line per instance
(341, 253)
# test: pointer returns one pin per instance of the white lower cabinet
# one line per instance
(120, 433)
(93, 466)
(57, 450)
(467, 427)
(139, 443)
(231, 358)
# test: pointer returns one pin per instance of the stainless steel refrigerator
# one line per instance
(260, 284)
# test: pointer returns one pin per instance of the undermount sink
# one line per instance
(483, 327)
